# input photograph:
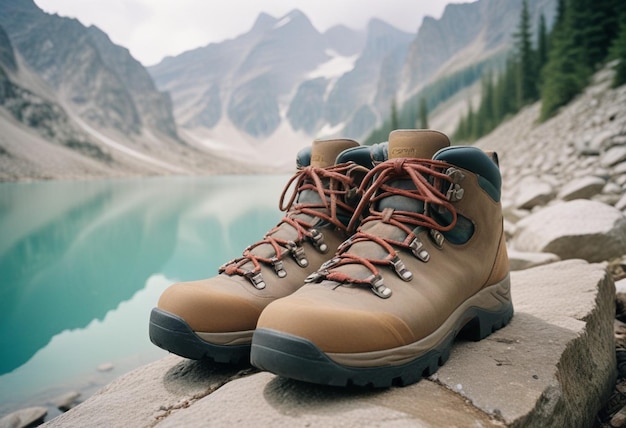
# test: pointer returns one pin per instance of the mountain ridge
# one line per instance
(81, 106)
(254, 99)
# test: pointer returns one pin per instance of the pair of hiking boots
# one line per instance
(385, 255)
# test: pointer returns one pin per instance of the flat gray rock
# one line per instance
(30, 416)
(553, 365)
(533, 192)
(621, 204)
(584, 229)
(581, 188)
(619, 169)
(613, 156)
(265, 400)
(66, 401)
(593, 144)
(148, 394)
(520, 260)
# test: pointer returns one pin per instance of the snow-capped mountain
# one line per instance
(275, 88)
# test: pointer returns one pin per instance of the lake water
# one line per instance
(82, 263)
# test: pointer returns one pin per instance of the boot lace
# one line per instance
(428, 177)
(332, 196)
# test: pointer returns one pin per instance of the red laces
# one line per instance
(428, 177)
(333, 185)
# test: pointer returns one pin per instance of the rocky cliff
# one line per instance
(76, 105)
(466, 34)
(95, 78)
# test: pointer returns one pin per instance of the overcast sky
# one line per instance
(153, 29)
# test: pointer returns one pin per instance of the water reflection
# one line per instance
(70, 252)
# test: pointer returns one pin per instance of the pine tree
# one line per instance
(526, 77)
(618, 51)
(395, 123)
(471, 123)
(595, 25)
(542, 45)
(561, 9)
(567, 70)
(423, 114)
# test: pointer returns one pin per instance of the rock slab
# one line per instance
(584, 229)
(30, 416)
(581, 188)
(553, 365)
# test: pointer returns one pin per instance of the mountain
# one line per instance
(79, 105)
(274, 88)
(466, 34)
(357, 98)
(283, 83)
(71, 59)
(37, 112)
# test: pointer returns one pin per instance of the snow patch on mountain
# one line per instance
(335, 67)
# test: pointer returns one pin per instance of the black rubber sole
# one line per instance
(173, 334)
(297, 358)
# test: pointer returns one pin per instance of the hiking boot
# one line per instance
(215, 317)
(427, 263)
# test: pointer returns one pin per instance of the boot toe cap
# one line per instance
(333, 327)
(207, 307)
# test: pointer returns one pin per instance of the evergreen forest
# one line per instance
(551, 65)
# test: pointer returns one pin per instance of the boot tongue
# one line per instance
(325, 152)
(416, 143)
(323, 155)
(411, 143)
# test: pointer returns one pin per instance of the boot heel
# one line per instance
(485, 322)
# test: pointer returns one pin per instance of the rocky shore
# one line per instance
(564, 199)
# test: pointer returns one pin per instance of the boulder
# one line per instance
(621, 204)
(613, 156)
(30, 416)
(66, 401)
(607, 198)
(105, 367)
(557, 355)
(581, 188)
(553, 365)
(584, 229)
(533, 192)
(619, 169)
(520, 260)
(611, 188)
(617, 140)
(591, 145)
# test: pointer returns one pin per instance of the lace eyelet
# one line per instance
(256, 279)
(379, 288)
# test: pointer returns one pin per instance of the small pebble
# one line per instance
(105, 367)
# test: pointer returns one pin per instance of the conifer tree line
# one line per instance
(552, 66)
(415, 111)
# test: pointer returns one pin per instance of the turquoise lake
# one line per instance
(82, 263)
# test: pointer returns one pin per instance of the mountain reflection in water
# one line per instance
(74, 253)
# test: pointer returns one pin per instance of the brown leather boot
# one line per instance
(215, 317)
(427, 263)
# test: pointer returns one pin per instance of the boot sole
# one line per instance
(297, 358)
(172, 333)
